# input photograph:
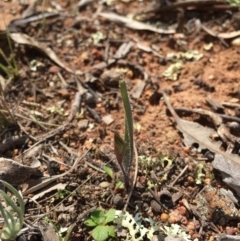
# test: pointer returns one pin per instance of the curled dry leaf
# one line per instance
(21, 38)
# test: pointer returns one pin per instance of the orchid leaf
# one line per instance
(128, 137)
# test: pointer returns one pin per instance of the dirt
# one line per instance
(41, 101)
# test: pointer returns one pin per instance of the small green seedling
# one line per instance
(99, 220)
(124, 148)
(108, 171)
(119, 185)
(12, 224)
(62, 193)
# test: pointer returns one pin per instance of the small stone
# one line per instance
(164, 217)
(156, 207)
(118, 201)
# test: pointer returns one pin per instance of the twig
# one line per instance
(26, 118)
(94, 114)
(228, 104)
(182, 172)
(32, 104)
(157, 198)
(54, 160)
(75, 106)
(81, 216)
(62, 79)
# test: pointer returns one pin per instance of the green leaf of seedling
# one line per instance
(16, 194)
(110, 216)
(98, 216)
(111, 231)
(90, 223)
(101, 233)
(108, 171)
(120, 185)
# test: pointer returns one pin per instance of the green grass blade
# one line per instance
(7, 221)
(20, 211)
(15, 67)
(5, 70)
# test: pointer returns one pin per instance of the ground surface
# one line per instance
(43, 95)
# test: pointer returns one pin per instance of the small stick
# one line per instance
(75, 106)
(94, 114)
(182, 172)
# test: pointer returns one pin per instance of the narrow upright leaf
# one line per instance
(128, 138)
(108, 171)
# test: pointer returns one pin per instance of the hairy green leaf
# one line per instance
(108, 170)
(110, 215)
(100, 233)
(98, 216)
(90, 223)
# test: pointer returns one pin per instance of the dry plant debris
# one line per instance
(61, 63)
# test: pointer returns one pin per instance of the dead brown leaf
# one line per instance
(24, 39)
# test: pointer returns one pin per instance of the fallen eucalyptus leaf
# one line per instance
(228, 164)
(24, 39)
(229, 171)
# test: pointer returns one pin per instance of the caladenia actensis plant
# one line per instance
(123, 148)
